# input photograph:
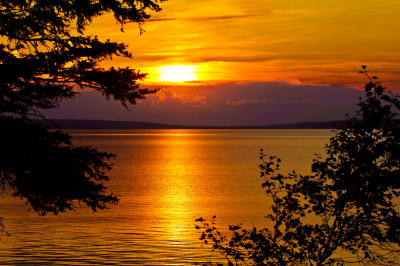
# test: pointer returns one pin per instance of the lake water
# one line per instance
(166, 179)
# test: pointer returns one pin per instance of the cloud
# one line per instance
(169, 96)
(205, 18)
(246, 102)
(313, 41)
(257, 103)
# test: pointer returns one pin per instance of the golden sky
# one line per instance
(230, 41)
(251, 62)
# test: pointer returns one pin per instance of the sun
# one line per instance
(178, 73)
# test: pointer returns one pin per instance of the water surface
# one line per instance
(166, 179)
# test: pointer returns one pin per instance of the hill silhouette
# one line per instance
(106, 124)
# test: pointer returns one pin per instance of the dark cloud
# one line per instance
(259, 103)
(151, 57)
(235, 58)
(207, 18)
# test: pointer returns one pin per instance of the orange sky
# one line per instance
(251, 62)
(230, 41)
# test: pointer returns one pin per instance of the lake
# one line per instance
(165, 179)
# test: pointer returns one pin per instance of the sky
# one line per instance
(242, 62)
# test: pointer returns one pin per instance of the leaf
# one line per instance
(369, 86)
(379, 89)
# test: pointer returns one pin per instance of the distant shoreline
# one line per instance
(107, 124)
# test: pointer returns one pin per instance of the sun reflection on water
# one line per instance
(138, 132)
(176, 193)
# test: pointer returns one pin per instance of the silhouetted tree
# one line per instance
(45, 57)
(344, 212)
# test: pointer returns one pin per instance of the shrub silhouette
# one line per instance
(344, 212)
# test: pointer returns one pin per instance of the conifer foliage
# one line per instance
(45, 57)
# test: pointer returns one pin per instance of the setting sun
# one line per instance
(178, 73)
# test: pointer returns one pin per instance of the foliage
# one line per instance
(45, 169)
(46, 57)
(344, 212)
